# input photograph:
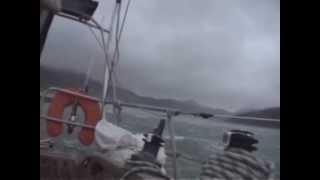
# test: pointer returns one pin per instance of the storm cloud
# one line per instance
(220, 53)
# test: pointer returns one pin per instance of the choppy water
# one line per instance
(199, 138)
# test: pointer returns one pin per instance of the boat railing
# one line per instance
(169, 112)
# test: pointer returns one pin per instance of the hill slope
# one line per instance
(273, 113)
(67, 79)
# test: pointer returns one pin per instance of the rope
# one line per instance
(144, 167)
(236, 164)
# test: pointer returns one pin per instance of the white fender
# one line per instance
(110, 137)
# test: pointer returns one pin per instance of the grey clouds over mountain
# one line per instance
(224, 54)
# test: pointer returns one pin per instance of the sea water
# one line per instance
(199, 138)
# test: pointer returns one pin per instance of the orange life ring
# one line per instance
(90, 107)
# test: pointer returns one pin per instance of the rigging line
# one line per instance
(154, 114)
(96, 38)
(124, 18)
(94, 34)
(247, 118)
(103, 19)
(109, 88)
(115, 76)
(115, 97)
(86, 82)
(83, 22)
(106, 46)
(116, 52)
(88, 74)
(122, 27)
(111, 33)
(116, 55)
(107, 65)
(117, 35)
(111, 80)
(112, 84)
(102, 35)
(99, 43)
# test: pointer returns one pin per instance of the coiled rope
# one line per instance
(143, 167)
(236, 164)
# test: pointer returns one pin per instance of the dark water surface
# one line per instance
(199, 138)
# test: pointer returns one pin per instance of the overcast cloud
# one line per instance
(221, 53)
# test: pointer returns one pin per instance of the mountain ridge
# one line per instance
(66, 79)
(273, 112)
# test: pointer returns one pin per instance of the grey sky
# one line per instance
(221, 53)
